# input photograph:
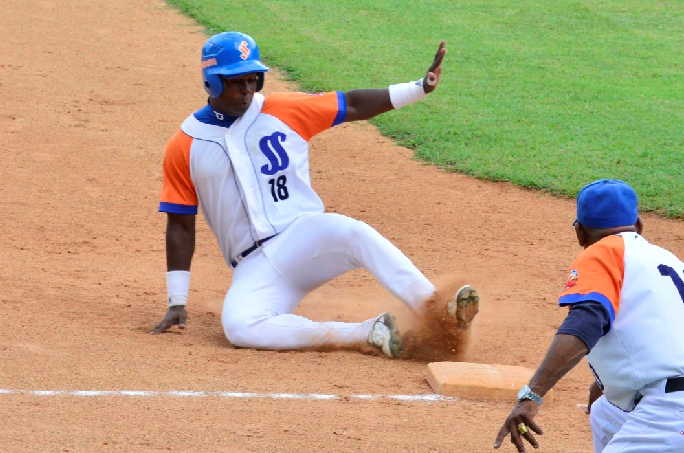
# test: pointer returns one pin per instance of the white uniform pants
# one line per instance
(656, 425)
(270, 282)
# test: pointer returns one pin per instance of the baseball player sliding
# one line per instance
(626, 299)
(243, 158)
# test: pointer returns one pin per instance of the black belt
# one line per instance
(249, 250)
(674, 384)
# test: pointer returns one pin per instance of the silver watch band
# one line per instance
(526, 393)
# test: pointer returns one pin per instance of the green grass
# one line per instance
(547, 95)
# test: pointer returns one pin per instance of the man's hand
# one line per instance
(175, 316)
(563, 354)
(595, 393)
(431, 79)
(521, 416)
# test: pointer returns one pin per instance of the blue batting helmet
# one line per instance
(230, 53)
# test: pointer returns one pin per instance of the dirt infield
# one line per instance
(91, 92)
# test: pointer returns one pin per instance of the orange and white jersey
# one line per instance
(641, 286)
(251, 176)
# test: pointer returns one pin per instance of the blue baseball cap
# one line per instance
(607, 203)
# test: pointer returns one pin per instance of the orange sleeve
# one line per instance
(307, 114)
(597, 274)
(178, 194)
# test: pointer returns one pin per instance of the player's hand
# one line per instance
(522, 413)
(595, 393)
(431, 79)
(176, 316)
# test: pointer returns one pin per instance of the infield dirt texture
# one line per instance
(91, 91)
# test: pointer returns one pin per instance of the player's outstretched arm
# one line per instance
(180, 246)
(367, 103)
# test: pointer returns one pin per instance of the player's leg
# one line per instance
(317, 248)
(320, 247)
(655, 426)
(605, 420)
(257, 313)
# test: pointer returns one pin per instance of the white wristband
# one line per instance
(402, 94)
(178, 287)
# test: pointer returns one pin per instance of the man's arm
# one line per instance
(180, 241)
(564, 353)
(180, 246)
(367, 103)
(585, 324)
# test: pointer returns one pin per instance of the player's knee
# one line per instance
(241, 338)
(239, 335)
(350, 231)
(240, 331)
(234, 328)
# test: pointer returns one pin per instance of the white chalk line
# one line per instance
(201, 394)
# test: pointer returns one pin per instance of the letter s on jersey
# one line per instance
(278, 159)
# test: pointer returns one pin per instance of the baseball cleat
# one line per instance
(464, 306)
(384, 335)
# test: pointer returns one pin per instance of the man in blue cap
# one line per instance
(626, 314)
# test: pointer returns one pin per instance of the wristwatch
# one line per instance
(526, 393)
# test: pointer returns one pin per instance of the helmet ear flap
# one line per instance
(213, 84)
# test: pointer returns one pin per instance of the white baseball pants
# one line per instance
(270, 282)
(656, 425)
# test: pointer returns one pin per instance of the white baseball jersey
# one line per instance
(642, 287)
(252, 177)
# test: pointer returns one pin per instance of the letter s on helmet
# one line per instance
(230, 53)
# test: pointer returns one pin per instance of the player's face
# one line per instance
(237, 93)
